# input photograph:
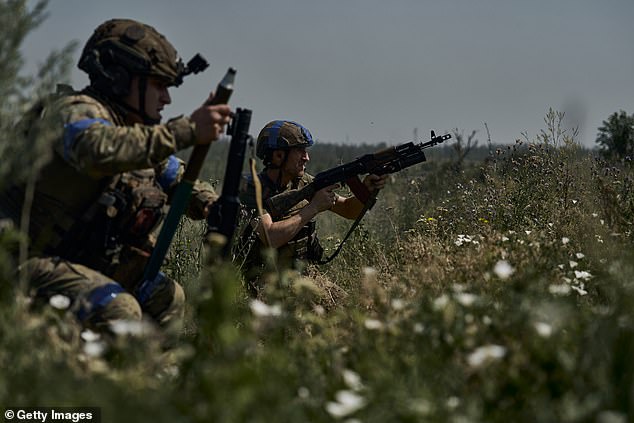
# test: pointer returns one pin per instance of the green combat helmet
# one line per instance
(281, 135)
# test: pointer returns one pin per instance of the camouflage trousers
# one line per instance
(98, 300)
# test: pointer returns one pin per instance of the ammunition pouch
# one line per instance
(305, 245)
(114, 235)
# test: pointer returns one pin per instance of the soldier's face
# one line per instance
(296, 162)
(157, 96)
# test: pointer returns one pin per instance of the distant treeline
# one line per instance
(327, 155)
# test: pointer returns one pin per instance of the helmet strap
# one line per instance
(270, 166)
(139, 111)
(142, 93)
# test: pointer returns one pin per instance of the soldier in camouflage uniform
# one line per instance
(99, 200)
(282, 146)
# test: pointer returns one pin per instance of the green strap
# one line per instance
(180, 201)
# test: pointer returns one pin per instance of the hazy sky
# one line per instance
(370, 70)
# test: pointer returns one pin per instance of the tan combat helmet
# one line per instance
(281, 135)
(122, 48)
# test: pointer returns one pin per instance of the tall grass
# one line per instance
(502, 292)
(496, 290)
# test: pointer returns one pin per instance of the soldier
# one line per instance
(282, 146)
(102, 195)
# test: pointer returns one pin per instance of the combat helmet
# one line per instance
(281, 135)
(121, 48)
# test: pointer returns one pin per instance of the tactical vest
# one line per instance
(105, 224)
(305, 244)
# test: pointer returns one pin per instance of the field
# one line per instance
(476, 290)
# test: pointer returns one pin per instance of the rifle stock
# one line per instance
(388, 160)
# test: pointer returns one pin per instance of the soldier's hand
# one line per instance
(325, 198)
(210, 122)
(375, 182)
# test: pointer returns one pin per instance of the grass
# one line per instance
(501, 291)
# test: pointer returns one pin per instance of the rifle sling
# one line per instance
(371, 200)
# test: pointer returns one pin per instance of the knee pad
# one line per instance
(162, 298)
(108, 303)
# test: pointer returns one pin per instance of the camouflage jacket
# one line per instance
(91, 144)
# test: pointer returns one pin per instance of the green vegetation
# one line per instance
(616, 136)
(497, 290)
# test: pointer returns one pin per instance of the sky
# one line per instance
(370, 71)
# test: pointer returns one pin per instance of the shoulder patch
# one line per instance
(71, 130)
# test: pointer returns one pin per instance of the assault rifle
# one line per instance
(389, 160)
(223, 216)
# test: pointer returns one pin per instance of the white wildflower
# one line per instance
(565, 240)
(397, 304)
(171, 372)
(59, 301)
(458, 287)
(441, 302)
(347, 402)
(503, 269)
(528, 232)
(575, 201)
(559, 289)
(466, 299)
(573, 264)
(580, 256)
(373, 324)
(261, 309)
(453, 402)
(583, 275)
(485, 354)
(487, 320)
(580, 289)
(421, 406)
(130, 327)
(464, 239)
(352, 380)
(89, 336)
(94, 349)
(543, 329)
(504, 239)
(419, 328)
(609, 416)
(368, 271)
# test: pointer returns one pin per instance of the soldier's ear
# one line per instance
(277, 157)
